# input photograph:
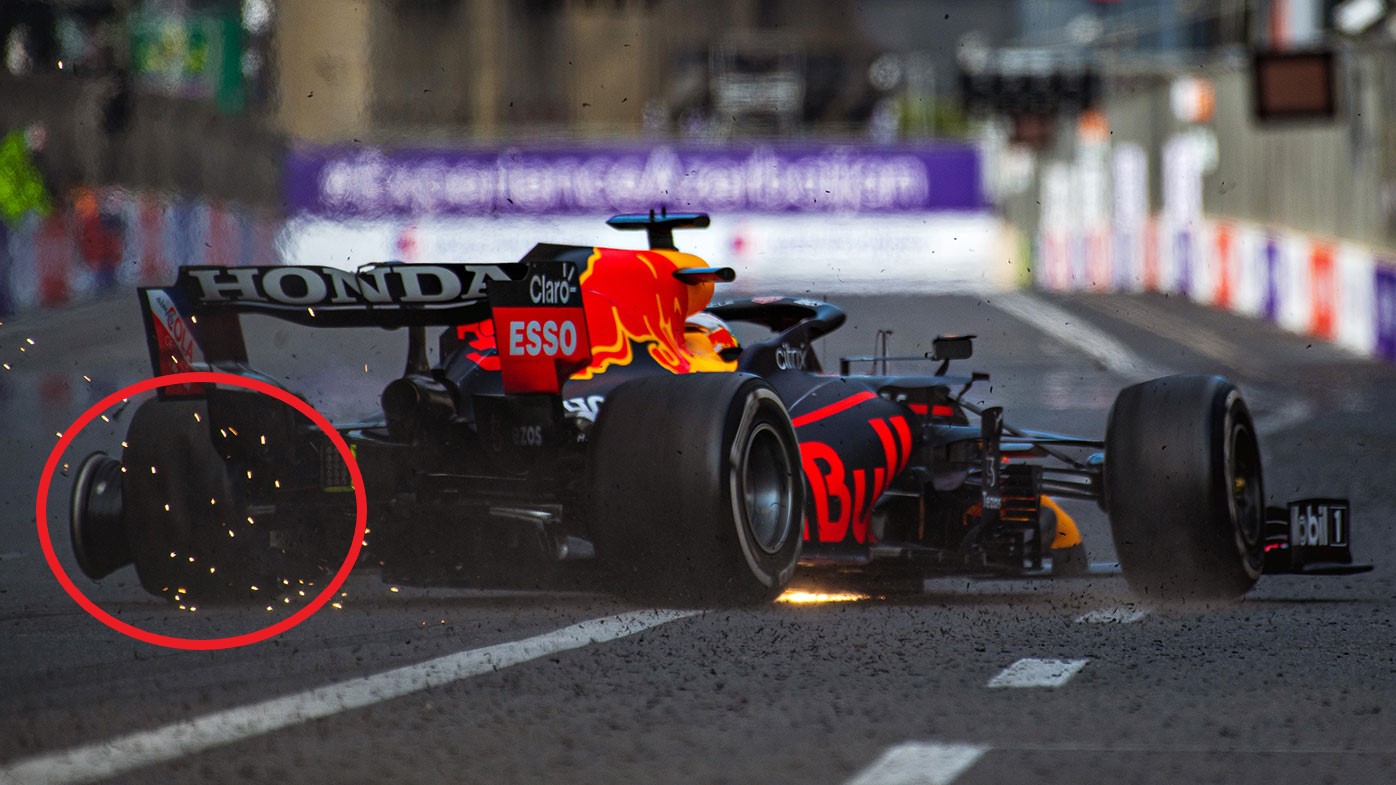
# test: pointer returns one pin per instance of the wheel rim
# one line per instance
(1245, 488)
(767, 491)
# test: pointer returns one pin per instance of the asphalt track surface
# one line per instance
(971, 682)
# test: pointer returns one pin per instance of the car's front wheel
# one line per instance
(1183, 488)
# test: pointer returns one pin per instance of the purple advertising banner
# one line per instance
(346, 182)
(1384, 298)
(1270, 305)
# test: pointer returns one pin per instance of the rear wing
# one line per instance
(195, 324)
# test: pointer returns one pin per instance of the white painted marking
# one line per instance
(10, 555)
(920, 763)
(1121, 614)
(1038, 673)
(1282, 413)
(127, 753)
(1073, 330)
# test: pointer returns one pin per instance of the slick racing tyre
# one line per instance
(697, 491)
(181, 503)
(1183, 488)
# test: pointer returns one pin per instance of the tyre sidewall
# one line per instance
(755, 408)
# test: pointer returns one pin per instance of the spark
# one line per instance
(191, 559)
(819, 598)
(105, 418)
(230, 533)
(167, 509)
(312, 312)
(172, 554)
(194, 319)
(250, 521)
(254, 588)
(286, 600)
(264, 438)
(124, 445)
(60, 434)
(29, 341)
(212, 570)
(392, 588)
(249, 474)
(7, 366)
(337, 606)
(196, 417)
(268, 607)
(365, 367)
(301, 592)
(152, 469)
(212, 501)
(223, 433)
(232, 430)
(277, 483)
(86, 378)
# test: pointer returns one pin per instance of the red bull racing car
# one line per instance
(590, 413)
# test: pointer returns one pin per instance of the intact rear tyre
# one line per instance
(1183, 488)
(180, 505)
(697, 491)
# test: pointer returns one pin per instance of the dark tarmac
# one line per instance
(1295, 684)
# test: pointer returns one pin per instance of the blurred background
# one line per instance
(1236, 151)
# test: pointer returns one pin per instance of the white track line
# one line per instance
(920, 763)
(1283, 412)
(1037, 673)
(146, 748)
(1120, 614)
(1073, 330)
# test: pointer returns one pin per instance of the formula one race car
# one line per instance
(590, 408)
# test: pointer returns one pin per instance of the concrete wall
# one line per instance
(170, 145)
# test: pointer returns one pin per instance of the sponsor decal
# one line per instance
(554, 290)
(416, 285)
(782, 179)
(584, 408)
(540, 330)
(792, 358)
(844, 496)
(528, 335)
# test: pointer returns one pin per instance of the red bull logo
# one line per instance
(632, 298)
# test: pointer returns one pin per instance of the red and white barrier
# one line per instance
(1331, 289)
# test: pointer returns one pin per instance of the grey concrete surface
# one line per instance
(1294, 684)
